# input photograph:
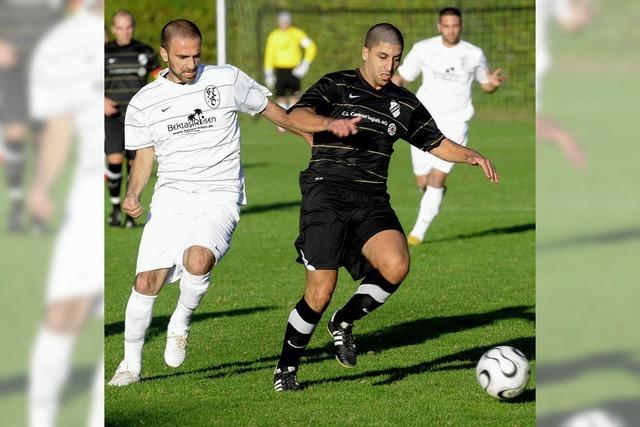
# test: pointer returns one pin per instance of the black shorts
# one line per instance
(336, 222)
(114, 135)
(285, 81)
(14, 95)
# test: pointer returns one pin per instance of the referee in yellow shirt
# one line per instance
(284, 63)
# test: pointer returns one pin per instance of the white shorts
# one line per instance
(178, 220)
(423, 161)
(77, 265)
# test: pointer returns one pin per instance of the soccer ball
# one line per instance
(503, 372)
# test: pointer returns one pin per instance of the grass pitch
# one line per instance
(471, 287)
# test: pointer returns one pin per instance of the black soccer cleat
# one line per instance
(114, 218)
(343, 345)
(129, 222)
(285, 380)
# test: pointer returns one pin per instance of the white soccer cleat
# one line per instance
(124, 376)
(176, 350)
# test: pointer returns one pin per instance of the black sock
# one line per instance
(302, 322)
(114, 181)
(371, 294)
(14, 169)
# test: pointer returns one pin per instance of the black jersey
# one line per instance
(362, 160)
(126, 69)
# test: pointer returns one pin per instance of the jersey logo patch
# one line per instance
(353, 96)
(142, 59)
(395, 109)
(391, 129)
(212, 96)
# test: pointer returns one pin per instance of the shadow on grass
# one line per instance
(466, 359)
(413, 332)
(159, 323)
(80, 380)
(490, 232)
(270, 207)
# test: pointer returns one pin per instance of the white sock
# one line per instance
(96, 414)
(429, 208)
(192, 289)
(50, 367)
(136, 321)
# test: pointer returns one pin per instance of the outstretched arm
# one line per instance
(456, 153)
(140, 173)
(303, 121)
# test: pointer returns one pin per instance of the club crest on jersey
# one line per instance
(212, 96)
(142, 59)
(392, 129)
(395, 109)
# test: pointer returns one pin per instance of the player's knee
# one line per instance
(421, 182)
(395, 269)
(198, 260)
(319, 298)
(61, 320)
(15, 131)
(146, 284)
(436, 179)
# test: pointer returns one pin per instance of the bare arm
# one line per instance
(56, 143)
(305, 120)
(399, 80)
(456, 153)
(140, 174)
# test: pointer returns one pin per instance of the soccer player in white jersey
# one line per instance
(448, 65)
(70, 103)
(187, 120)
(571, 16)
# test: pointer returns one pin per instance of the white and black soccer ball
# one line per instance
(503, 372)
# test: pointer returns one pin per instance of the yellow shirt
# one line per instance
(284, 48)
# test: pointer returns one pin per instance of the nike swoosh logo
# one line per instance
(295, 346)
(165, 109)
(353, 96)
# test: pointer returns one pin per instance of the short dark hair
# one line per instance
(383, 33)
(181, 28)
(447, 11)
(124, 12)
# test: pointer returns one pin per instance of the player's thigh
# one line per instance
(323, 228)
(211, 228)
(387, 250)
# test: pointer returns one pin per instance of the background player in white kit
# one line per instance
(187, 120)
(71, 104)
(449, 66)
(571, 16)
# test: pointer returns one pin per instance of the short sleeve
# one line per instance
(411, 66)
(250, 96)
(423, 132)
(482, 70)
(319, 96)
(136, 131)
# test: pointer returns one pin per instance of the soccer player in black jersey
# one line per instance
(128, 65)
(345, 217)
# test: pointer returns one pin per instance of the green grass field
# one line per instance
(471, 286)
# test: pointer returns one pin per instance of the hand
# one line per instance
(8, 56)
(270, 79)
(344, 127)
(132, 207)
(496, 78)
(110, 107)
(40, 205)
(301, 70)
(486, 165)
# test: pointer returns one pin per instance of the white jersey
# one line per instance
(194, 127)
(546, 10)
(447, 75)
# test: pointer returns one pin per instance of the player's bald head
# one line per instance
(383, 33)
(179, 28)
